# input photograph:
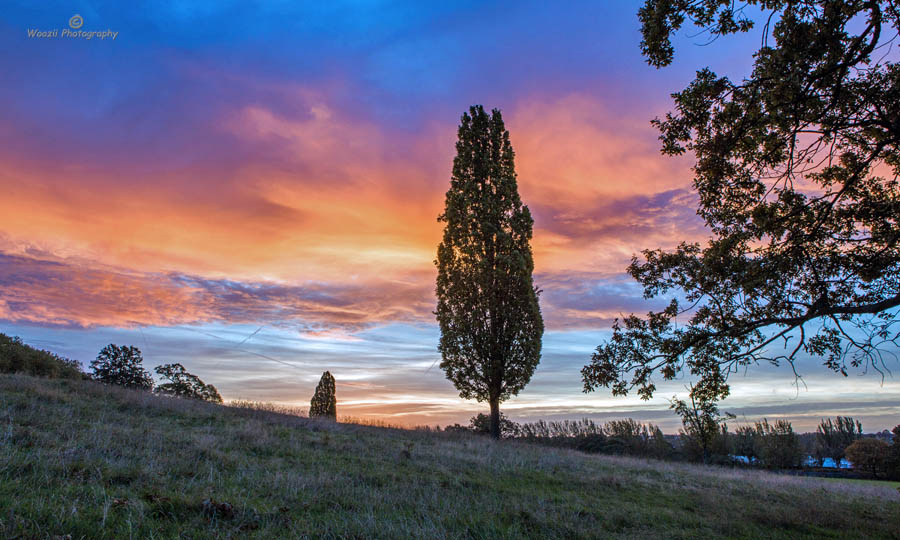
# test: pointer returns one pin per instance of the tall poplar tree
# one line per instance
(488, 310)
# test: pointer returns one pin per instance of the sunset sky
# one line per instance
(253, 192)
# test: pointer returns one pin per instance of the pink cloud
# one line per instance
(322, 197)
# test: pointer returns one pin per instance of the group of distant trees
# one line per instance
(617, 437)
(771, 445)
(123, 366)
(775, 445)
(115, 365)
(834, 437)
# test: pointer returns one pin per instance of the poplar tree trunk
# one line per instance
(495, 418)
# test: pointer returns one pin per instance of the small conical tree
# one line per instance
(324, 402)
(488, 310)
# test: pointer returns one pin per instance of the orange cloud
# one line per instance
(322, 197)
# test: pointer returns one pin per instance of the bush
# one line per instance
(121, 366)
(869, 455)
(185, 385)
(17, 357)
(482, 424)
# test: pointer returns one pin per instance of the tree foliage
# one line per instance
(796, 175)
(777, 446)
(185, 385)
(870, 455)
(744, 443)
(324, 400)
(122, 366)
(772, 445)
(618, 437)
(487, 309)
(703, 427)
(893, 460)
(833, 437)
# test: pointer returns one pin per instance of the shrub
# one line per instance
(868, 455)
(481, 424)
(456, 428)
(121, 366)
(17, 357)
(324, 402)
(185, 385)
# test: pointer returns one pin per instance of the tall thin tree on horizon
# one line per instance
(488, 312)
(324, 401)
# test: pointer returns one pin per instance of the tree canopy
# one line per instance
(702, 424)
(122, 366)
(487, 309)
(833, 437)
(796, 175)
(185, 385)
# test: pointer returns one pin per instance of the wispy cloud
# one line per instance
(57, 293)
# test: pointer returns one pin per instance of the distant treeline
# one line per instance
(771, 445)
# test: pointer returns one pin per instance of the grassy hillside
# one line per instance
(90, 461)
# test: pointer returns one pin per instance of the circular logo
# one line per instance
(76, 21)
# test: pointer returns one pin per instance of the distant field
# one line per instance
(863, 481)
(80, 459)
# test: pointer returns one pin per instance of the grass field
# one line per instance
(868, 482)
(90, 461)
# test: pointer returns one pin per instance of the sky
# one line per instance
(252, 191)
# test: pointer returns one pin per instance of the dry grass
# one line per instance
(98, 462)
